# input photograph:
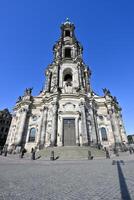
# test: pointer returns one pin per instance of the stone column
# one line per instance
(83, 124)
(82, 78)
(79, 77)
(77, 131)
(40, 125)
(90, 133)
(48, 75)
(80, 134)
(43, 130)
(122, 129)
(87, 81)
(95, 130)
(73, 52)
(113, 125)
(47, 139)
(21, 125)
(116, 131)
(46, 83)
(54, 124)
(119, 127)
(60, 130)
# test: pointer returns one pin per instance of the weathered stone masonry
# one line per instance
(67, 111)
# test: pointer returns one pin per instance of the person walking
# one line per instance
(33, 154)
(23, 151)
(107, 154)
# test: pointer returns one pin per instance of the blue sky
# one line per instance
(29, 28)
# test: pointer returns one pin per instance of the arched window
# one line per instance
(67, 33)
(101, 117)
(67, 76)
(67, 53)
(32, 135)
(103, 134)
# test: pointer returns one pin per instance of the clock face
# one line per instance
(34, 117)
(101, 117)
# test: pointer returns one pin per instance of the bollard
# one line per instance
(52, 155)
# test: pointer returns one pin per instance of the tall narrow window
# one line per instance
(103, 134)
(67, 33)
(67, 77)
(6, 130)
(32, 135)
(2, 129)
(67, 53)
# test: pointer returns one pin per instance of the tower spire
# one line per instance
(68, 48)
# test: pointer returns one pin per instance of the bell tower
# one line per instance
(68, 73)
(67, 48)
(67, 86)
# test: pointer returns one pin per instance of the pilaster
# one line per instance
(23, 113)
(77, 131)
(54, 124)
(83, 125)
(43, 131)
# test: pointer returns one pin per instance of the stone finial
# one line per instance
(28, 91)
(115, 99)
(19, 98)
(106, 92)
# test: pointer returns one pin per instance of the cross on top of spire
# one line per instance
(67, 21)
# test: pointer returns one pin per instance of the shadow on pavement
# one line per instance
(123, 186)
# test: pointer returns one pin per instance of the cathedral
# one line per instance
(67, 112)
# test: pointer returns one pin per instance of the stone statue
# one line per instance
(68, 83)
(28, 91)
(115, 99)
(19, 98)
(106, 92)
(54, 84)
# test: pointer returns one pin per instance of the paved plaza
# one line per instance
(24, 179)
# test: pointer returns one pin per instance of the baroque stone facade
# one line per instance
(67, 112)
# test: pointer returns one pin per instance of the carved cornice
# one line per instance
(69, 113)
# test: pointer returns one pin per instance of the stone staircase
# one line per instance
(70, 153)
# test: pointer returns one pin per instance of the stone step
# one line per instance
(64, 153)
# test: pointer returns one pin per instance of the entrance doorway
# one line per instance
(69, 138)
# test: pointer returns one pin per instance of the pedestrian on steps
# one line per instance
(33, 153)
(107, 154)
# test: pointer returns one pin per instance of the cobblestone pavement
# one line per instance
(67, 180)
